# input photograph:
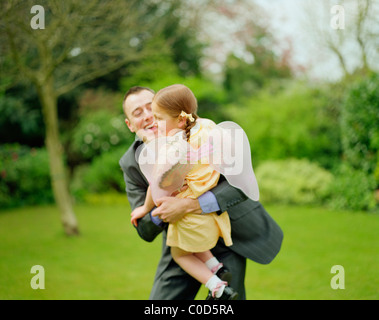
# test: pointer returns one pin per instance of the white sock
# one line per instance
(213, 264)
(212, 284)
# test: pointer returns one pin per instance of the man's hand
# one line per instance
(171, 209)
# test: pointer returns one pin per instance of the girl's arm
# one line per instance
(149, 203)
(141, 211)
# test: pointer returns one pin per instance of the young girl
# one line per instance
(191, 238)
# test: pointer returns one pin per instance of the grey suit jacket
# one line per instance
(255, 234)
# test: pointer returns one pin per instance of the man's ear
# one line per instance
(129, 125)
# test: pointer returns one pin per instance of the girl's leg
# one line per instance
(204, 256)
(210, 260)
(190, 263)
(198, 270)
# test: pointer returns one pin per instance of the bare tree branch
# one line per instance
(361, 19)
(358, 39)
(16, 56)
(94, 74)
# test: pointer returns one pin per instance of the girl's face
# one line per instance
(166, 124)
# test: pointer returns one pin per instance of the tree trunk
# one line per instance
(58, 173)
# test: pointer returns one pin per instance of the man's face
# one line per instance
(139, 115)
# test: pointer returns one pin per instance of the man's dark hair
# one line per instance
(136, 89)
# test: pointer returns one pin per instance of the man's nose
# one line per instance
(148, 114)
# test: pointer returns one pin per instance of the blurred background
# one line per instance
(301, 78)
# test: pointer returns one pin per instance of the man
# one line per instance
(255, 234)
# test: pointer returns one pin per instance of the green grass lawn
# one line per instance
(109, 261)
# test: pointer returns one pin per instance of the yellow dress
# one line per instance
(194, 232)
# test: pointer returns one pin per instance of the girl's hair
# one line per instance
(175, 99)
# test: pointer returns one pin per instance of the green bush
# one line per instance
(293, 123)
(101, 176)
(352, 189)
(360, 125)
(293, 181)
(99, 99)
(25, 177)
(20, 122)
(98, 132)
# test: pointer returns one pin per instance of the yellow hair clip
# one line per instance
(187, 115)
